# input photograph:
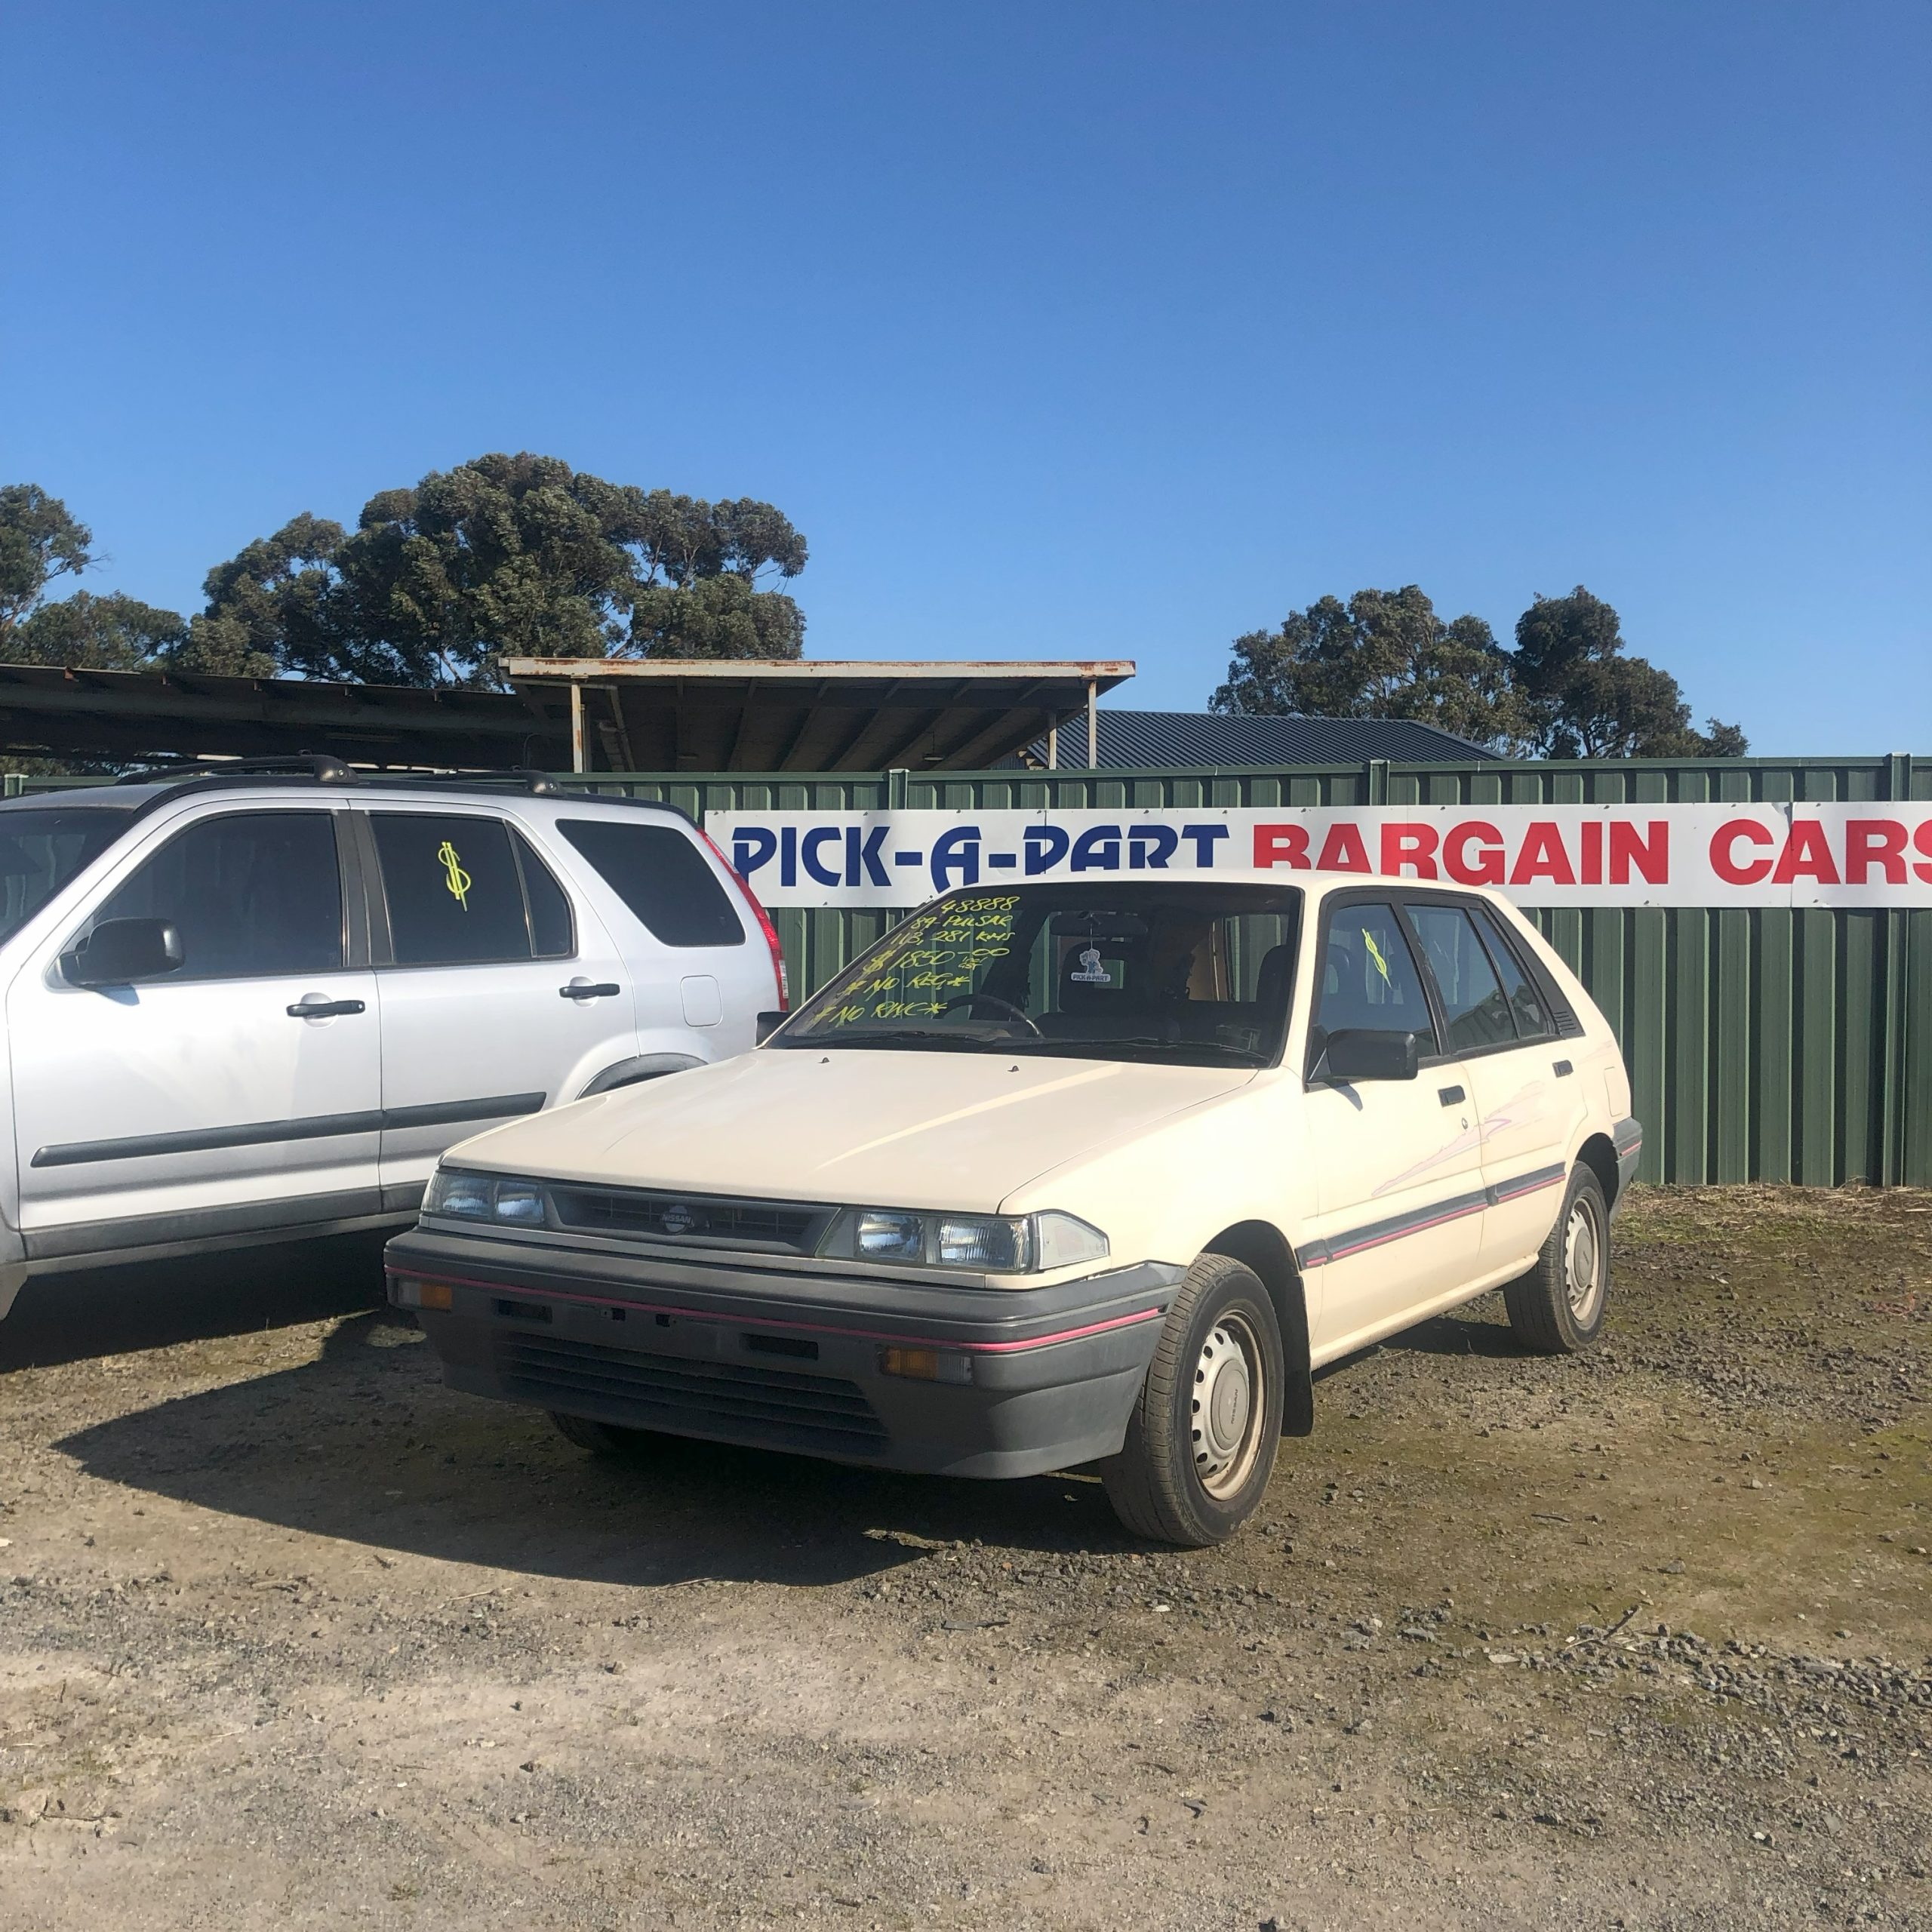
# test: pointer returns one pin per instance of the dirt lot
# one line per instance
(291, 1636)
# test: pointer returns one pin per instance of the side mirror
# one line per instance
(118, 952)
(768, 1024)
(1360, 1053)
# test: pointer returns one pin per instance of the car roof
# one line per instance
(1318, 883)
(143, 795)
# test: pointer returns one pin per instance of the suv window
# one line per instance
(1369, 978)
(460, 893)
(43, 848)
(1473, 1003)
(1532, 1023)
(661, 875)
(254, 895)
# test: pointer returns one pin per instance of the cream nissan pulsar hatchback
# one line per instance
(1068, 1172)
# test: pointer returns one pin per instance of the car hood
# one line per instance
(889, 1129)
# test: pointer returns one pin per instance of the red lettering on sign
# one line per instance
(1921, 842)
(1724, 861)
(1543, 856)
(1486, 870)
(1808, 854)
(1342, 850)
(1874, 842)
(1408, 845)
(1593, 851)
(1650, 856)
(1281, 845)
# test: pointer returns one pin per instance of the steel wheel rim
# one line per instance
(1227, 1402)
(1582, 1261)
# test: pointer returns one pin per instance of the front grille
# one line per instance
(772, 1227)
(772, 1408)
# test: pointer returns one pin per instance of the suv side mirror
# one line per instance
(118, 952)
(1360, 1052)
(768, 1024)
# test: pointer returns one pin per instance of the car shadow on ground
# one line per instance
(155, 1304)
(364, 1444)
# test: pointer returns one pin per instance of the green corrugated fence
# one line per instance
(1764, 1044)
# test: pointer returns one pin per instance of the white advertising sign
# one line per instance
(1803, 854)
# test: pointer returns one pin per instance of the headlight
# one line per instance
(987, 1244)
(477, 1198)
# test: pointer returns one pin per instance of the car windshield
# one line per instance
(44, 847)
(1198, 974)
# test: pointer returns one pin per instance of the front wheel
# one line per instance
(1557, 1308)
(1201, 1443)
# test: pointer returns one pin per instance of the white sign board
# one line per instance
(1802, 854)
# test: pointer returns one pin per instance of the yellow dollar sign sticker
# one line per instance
(455, 878)
(1374, 953)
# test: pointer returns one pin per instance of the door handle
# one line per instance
(1563, 1067)
(324, 1009)
(1450, 1096)
(587, 990)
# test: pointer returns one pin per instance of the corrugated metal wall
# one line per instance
(1764, 1045)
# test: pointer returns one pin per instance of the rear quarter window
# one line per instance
(662, 876)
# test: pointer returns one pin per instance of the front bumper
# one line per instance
(743, 1350)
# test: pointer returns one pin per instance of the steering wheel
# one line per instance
(993, 999)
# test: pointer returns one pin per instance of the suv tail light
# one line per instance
(765, 925)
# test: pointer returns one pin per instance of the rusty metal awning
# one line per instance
(47, 712)
(804, 714)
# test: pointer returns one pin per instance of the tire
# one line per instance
(1201, 1442)
(1557, 1308)
(602, 1438)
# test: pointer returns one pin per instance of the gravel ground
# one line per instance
(290, 1635)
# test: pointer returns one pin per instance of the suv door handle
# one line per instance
(1450, 1096)
(590, 989)
(324, 1009)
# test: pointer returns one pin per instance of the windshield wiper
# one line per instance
(945, 1037)
(1247, 1056)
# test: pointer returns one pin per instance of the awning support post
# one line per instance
(1093, 726)
(576, 727)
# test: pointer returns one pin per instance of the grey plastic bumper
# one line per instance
(1030, 1379)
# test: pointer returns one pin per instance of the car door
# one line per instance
(1399, 1184)
(1517, 1073)
(499, 993)
(238, 1092)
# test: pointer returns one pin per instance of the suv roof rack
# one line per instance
(319, 765)
(172, 781)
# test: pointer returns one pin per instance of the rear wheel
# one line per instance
(1201, 1443)
(1557, 1308)
(602, 1438)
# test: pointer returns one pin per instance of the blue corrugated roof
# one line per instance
(1129, 739)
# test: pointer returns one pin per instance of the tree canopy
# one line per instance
(1384, 653)
(1568, 690)
(518, 556)
(39, 540)
(1592, 701)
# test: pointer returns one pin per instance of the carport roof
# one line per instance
(805, 714)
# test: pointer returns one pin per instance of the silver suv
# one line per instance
(257, 1005)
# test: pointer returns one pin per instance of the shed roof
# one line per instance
(807, 714)
(1156, 739)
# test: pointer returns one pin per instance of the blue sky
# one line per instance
(1071, 331)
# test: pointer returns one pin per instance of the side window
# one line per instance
(454, 889)
(1369, 978)
(661, 875)
(1473, 1004)
(552, 931)
(254, 895)
(1532, 1023)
